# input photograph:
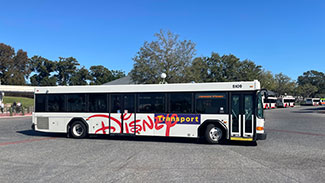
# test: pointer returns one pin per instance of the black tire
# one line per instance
(213, 134)
(78, 130)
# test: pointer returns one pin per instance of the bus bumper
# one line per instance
(261, 136)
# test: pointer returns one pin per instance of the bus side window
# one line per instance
(211, 103)
(76, 102)
(97, 102)
(180, 102)
(56, 103)
(116, 104)
(151, 103)
(40, 102)
(129, 103)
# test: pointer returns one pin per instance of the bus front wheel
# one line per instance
(78, 130)
(213, 134)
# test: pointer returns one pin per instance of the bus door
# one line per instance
(242, 116)
(122, 113)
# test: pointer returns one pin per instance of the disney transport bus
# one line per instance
(322, 101)
(213, 111)
(269, 103)
(312, 101)
(285, 101)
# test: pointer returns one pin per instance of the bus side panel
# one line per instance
(174, 125)
(98, 123)
(260, 123)
(128, 123)
(177, 125)
(58, 122)
(224, 118)
(189, 124)
(47, 122)
(184, 130)
(116, 122)
(145, 124)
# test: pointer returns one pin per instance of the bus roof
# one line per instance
(179, 87)
(272, 98)
(287, 97)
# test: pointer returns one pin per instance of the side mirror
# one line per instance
(265, 93)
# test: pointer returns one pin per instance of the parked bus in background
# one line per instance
(285, 101)
(272, 102)
(312, 101)
(265, 102)
(269, 102)
(213, 111)
(322, 101)
(2, 94)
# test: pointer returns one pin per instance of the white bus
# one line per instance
(214, 111)
(269, 102)
(285, 101)
(2, 94)
(312, 101)
(322, 101)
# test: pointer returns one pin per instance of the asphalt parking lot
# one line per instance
(293, 152)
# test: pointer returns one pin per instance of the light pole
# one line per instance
(163, 77)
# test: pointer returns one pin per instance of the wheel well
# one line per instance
(77, 119)
(217, 123)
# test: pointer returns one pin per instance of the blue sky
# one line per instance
(282, 36)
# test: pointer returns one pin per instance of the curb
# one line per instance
(5, 117)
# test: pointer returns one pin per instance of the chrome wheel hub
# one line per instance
(77, 130)
(215, 134)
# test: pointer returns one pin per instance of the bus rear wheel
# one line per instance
(78, 130)
(213, 134)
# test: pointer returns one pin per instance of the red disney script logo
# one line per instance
(140, 125)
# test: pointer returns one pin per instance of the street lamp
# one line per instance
(163, 77)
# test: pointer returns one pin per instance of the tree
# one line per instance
(267, 80)
(43, 69)
(65, 68)
(80, 77)
(230, 65)
(117, 74)
(284, 85)
(218, 68)
(199, 71)
(215, 68)
(314, 78)
(249, 71)
(165, 55)
(6, 55)
(14, 68)
(306, 90)
(101, 75)
(18, 69)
